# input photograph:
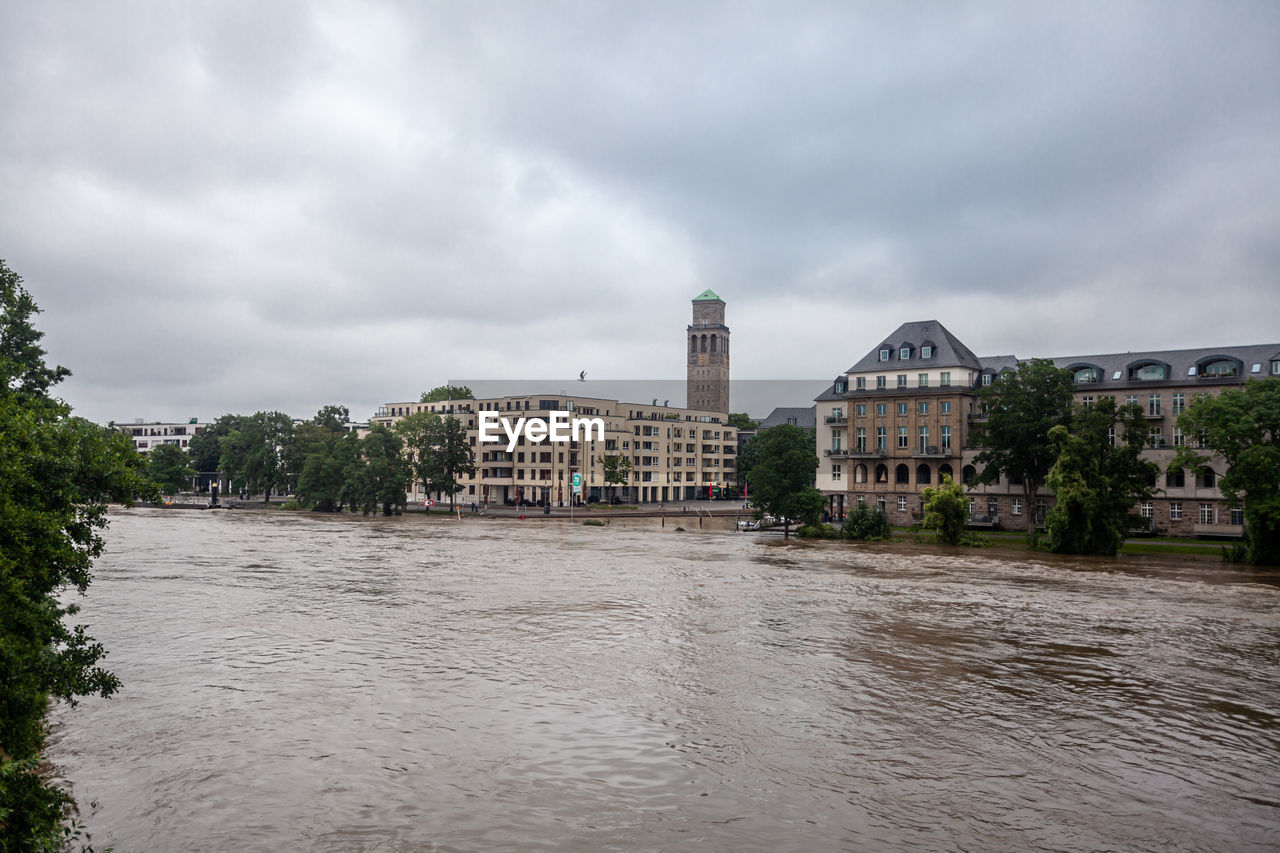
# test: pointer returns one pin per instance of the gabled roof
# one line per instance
(806, 417)
(707, 295)
(1180, 361)
(949, 351)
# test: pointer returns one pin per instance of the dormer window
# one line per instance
(1087, 375)
(1219, 367)
(884, 353)
(926, 351)
(986, 379)
(904, 353)
(1148, 371)
(1275, 367)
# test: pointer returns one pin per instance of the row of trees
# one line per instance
(57, 473)
(324, 465)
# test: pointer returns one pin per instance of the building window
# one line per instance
(1017, 506)
(791, 421)
(922, 380)
(881, 439)
(1131, 399)
(1175, 479)
(902, 409)
(986, 379)
(902, 436)
(1177, 437)
(1146, 510)
(923, 407)
(946, 436)
(904, 353)
(1153, 404)
(1175, 512)
(944, 379)
(1179, 403)
(945, 405)
(926, 351)
(1207, 478)
(884, 354)
(1206, 513)
(882, 409)
(902, 380)
(1155, 438)
(902, 504)
(861, 409)
(861, 440)
(1275, 367)
(1086, 400)
(880, 382)
(1111, 435)
(1237, 515)
(1086, 374)
(924, 439)
(835, 472)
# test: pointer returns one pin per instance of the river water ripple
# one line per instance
(300, 682)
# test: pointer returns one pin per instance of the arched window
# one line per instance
(923, 475)
(1085, 374)
(1148, 370)
(704, 343)
(902, 474)
(860, 473)
(944, 470)
(968, 474)
(693, 344)
(713, 343)
(882, 474)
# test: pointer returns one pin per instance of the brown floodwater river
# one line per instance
(297, 682)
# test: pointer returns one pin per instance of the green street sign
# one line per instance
(577, 484)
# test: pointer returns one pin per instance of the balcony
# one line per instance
(839, 420)
(836, 452)
(933, 451)
(1154, 416)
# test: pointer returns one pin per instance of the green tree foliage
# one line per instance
(945, 510)
(438, 452)
(169, 468)
(1242, 426)
(255, 454)
(617, 470)
(333, 418)
(780, 477)
(741, 420)
(57, 473)
(441, 393)
(1021, 407)
(205, 448)
(379, 477)
(1095, 482)
(865, 523)
(323, 482)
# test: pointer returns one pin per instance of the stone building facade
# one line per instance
(900, 418)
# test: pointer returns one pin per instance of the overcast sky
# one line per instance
(227, 207)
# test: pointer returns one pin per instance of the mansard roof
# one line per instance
(1184, 364)
(948, 350)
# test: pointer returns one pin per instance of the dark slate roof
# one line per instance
(948, 350)
(806, 418)
(830, 393)
(1179, 361)
(998, 363)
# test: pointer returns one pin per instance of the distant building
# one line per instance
(676, 454)
(899, 419)
(707, 387)
(148, 435)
